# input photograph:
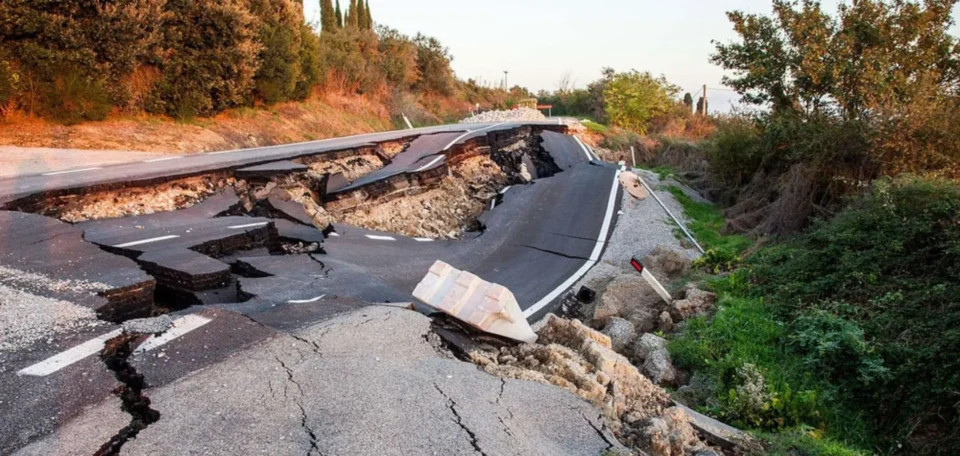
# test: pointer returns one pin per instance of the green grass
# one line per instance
(661, 171)
(706, 223)
(799, 414)
(594, 126)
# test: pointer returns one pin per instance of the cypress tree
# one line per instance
(328, 22)
(339, 13)
(369, 17)
(352, 20)
(361, 16)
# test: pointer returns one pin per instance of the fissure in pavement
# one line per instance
(115, 356)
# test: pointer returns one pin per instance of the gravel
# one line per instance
(506, 116)
(643, 226)
(26, 318)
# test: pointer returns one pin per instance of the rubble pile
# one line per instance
(351, 167)
(581, 360)
(443, 212)
(134, 201)
(518, 114)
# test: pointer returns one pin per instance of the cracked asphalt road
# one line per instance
(349, 386)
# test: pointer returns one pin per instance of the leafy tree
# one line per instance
(280, 36)
(310, 63)
(339, 13)
(215, 60)
(633, 99)
(398, 57)
(328, 19)
(688, 100)
(433, 62)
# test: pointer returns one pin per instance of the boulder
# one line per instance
(666, 262)
(629, 295)
(621, 332)
(666, 322)
(657, 365)
(696, 302)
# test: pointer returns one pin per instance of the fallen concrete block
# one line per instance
(486, 306)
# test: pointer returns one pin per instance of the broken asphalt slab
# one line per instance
(373, 382)
(50, 258)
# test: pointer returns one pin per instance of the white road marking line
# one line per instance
(55, 173)
(423, 239)
(594, 256)
(249, 225)
(307, 301)
(220, 152)
(504, 191)
(380, 238)
(155, 160)
(146, 241)
(493, 204)
(335, 234)
(180, 327)
(469, 132)
(584, 147)
(68, 357)
(432, 162)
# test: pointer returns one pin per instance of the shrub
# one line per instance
(213, 61)
(875, 297)
(280, 38)
(73, 98)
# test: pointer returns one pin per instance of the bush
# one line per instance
(875, 296)
(73, 98)
(735, 151)
(214, 59)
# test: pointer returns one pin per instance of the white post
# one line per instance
(633, 154)
(405, 119)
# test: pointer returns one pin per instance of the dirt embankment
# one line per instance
(324, 116)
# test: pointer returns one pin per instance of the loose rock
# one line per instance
(696, 302)
(621, 332)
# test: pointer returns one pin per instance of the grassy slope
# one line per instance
(323, 116)
(796, 418)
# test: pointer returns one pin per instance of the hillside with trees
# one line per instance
(75, 62)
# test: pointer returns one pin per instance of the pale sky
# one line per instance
(537, 41)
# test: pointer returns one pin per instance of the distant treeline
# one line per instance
(79, 60)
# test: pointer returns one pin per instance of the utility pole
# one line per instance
(506, 86)
(704, 100)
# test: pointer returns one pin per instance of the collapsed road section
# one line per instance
(262, 242)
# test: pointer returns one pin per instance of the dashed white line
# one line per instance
(180, 327)
(423, 239)
(594, 256)
(155, 160)
(55, 173)
(249, 225)
(493, 204)
(380, 238)
(68, 357)
(307, 301)
(504, 191)
(147, 241)
(432, 162)
(93, 346)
